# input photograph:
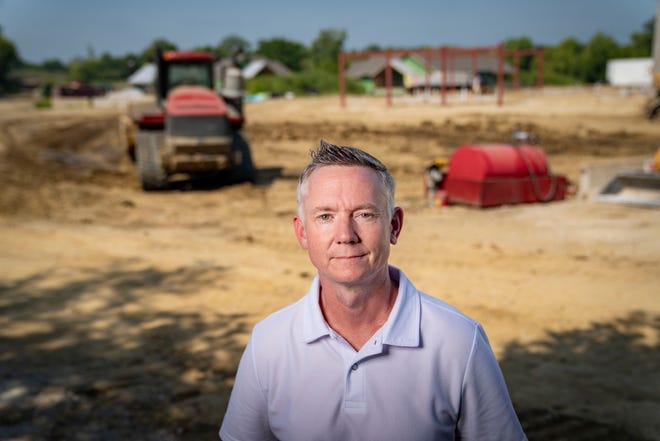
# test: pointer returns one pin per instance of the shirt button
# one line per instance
(354, 367)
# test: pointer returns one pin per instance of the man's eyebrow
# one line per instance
(365, 206)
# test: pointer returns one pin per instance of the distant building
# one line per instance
(371, 72)
(145, 76)
(630, 72)
(262, 66)
(410, 72)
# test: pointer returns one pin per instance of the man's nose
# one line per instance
(346, 232)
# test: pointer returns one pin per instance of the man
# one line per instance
(434, 176)
(364, 355)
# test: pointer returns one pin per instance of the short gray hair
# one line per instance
(327, 154)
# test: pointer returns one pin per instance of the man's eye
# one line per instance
(324, 217)
(366, 215)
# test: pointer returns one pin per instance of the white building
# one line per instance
(630, 72)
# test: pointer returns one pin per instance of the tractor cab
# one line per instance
(181, 68)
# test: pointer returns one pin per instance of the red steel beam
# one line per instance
(516, 70)
(388, 77)
(446, 54)
(517, 53)
(539, 66)
(427, 74)
(500, 74)
(342, 79)
(443, 80)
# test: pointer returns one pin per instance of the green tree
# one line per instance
(301, 83)
(149, 54)
(594, 58)
(290, 53)
(81, 69)
(205, 48)
(373, 48)
(562, 62)
(521, 43)
(641, 43)
(53, 65)
(9, 59)
(91, 69)
(112, 68)
(325, 48)
(232, 44)
(130, 62)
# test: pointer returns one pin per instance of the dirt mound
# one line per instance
(43, 152)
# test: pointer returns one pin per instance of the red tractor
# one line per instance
(191, 129)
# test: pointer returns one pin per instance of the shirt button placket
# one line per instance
(355, 399)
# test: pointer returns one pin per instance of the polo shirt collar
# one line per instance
(402, 328)
(314, 324)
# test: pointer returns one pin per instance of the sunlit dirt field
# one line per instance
(123, 314)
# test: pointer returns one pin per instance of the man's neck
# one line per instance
(356, 313)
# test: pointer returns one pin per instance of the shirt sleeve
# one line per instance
(486, 408)
(247, 412)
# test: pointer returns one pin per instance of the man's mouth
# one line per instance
(354, 256)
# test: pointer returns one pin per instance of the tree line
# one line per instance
(314, 67)
(574, 62)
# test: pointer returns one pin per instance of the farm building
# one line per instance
(371, 72)
(145, 75)
(263, 66)
(630, 72)
(410, 72)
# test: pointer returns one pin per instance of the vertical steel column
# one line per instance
(516, 69)
(427, 55)
(388, 76)
(500, 74)
(452, 69)
(443, 80)
(540, 58)
(342, 79)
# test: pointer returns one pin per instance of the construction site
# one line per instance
(124, 312)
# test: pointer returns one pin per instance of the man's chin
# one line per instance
(349, 276)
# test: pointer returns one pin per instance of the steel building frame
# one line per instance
(447, 55)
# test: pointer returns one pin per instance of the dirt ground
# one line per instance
(123, 314)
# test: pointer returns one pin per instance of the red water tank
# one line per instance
(498, 174)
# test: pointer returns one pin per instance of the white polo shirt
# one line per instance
(427, 374)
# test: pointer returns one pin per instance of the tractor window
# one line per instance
(188, 74)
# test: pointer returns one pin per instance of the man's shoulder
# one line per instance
(435, 312)
(279, 320)
(439, 314)
(435, 305)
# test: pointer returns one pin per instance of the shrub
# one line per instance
(302, 83)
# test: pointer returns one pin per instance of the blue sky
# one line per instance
(64, 29)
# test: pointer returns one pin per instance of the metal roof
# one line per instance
(461, 64)
(370, 67)
(257, 65)
(144, 76)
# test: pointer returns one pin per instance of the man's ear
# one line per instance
(396, 224)
(299, 228)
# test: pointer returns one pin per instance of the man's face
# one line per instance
(346, 228)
